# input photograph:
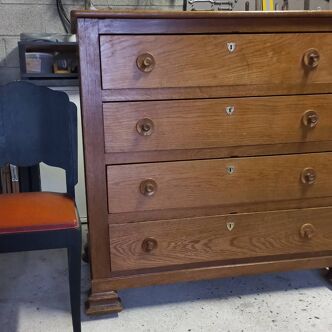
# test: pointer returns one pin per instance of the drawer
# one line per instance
(220, 238)
(173, 61)
(213, 123)
(204, 183)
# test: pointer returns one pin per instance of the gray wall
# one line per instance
(18, 16)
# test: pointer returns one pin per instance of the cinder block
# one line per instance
(51, 21)
(139, 3)
(12, 58)
(44, 2)
(2, 53)
(9, 74)
(20, 18)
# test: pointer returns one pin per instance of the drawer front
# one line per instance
(204, 183)
(195, 124)
(130, 62)
(218, 238)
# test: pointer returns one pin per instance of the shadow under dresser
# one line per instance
(208, 145)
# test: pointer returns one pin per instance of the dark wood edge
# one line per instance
(214, 272)
(93, 140)
(154, 215)
(150, 14)
(208, 92)
(130, 157)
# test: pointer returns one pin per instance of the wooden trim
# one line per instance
(212, 272)
(204, 22)
(214, 92)
(95, 173)
(149, 14)
(222, 24)
(141, 216)
(229, 152)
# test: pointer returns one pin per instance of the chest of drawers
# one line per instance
(208, 145)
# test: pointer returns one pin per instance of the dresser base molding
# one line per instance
(103, 286)
(103, 303)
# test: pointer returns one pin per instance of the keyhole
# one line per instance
(230, 110)
(230, 169)
(231, 47)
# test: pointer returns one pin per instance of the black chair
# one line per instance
(37, 125)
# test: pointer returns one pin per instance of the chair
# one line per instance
(37, 125)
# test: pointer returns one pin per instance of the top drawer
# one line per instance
(174, 61)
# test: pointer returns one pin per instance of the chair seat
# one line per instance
(40, 211)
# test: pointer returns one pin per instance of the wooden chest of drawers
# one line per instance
(208, 145)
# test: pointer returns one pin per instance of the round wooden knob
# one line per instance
(145, 127)
(311, 58)
(145, 62)
(307, 231)
(310, 119)
(148, 187)
(149, 244)
(308, 176)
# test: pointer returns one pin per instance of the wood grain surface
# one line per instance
(189, 184)
(173, 226)
(197, 124)
(181, 61)
(94, 162)
(207, 239)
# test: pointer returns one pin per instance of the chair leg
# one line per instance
(74, 268)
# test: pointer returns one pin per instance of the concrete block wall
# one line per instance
(17, 16)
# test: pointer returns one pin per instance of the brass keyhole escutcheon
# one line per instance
(145, 62)
(231, 46)
(230, 225)
(230, 169)
(148, 187)
(311, 58)
(308, 176)
(145, 127)
(307, 231)
(310, 119)
(230, 110)
(149, 244)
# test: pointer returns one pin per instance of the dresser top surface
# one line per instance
(231, 18)
(104, 14)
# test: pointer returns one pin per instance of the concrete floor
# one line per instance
(34, 298)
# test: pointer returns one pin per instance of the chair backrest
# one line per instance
(38, 124)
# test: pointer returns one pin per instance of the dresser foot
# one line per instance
(328, 275)
(103, 303)
(85, 255)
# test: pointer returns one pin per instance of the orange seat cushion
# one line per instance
(41, 211)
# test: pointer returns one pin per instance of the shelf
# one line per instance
(49, 75)
(48, 79)
(54, 82)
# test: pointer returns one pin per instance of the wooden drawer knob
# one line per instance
(307, 231)
(145, 127)
(311, 58)
(149, 244)
(145, 62)
(308, 176)
(148, 187)
(310, 119)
